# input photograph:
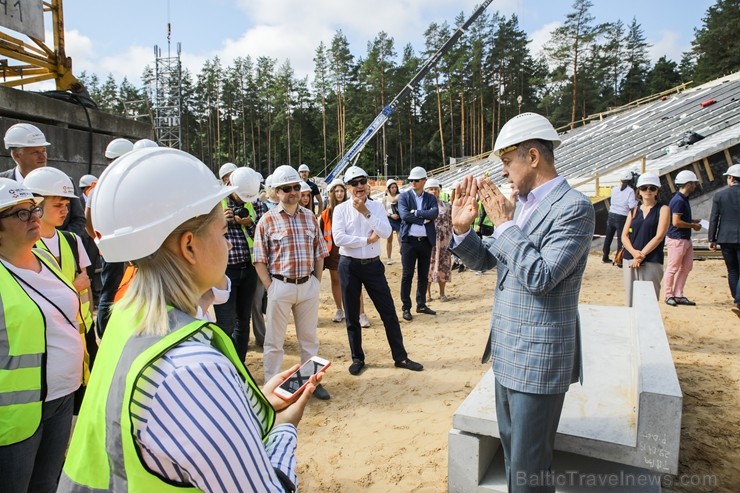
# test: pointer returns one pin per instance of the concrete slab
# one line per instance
(628, 410)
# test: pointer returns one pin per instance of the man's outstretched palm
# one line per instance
(465, 205)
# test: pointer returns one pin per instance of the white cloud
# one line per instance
(668, 45)
(540, 37)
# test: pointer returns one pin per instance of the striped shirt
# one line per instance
(196, 422)
(289, 244)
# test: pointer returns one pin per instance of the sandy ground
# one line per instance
(386, 430)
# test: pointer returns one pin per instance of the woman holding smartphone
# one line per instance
(177, 407)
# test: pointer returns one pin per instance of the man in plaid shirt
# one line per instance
(289, 252)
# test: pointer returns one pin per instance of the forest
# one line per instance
(257, 112)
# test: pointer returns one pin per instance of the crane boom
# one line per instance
(356, 148)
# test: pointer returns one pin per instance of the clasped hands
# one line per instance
(498, 207)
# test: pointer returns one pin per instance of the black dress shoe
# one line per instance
(356, 367)
(425, 309)
(407, 315)
(321, 393)
(407, 364)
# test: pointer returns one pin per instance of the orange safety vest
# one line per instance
(326, 219)
(128, 276)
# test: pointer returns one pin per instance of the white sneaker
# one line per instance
(389, 261)
(339, 316)
(364, 322)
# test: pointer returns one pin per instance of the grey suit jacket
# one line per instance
(724, 221)
(75, 221)
(535, 329)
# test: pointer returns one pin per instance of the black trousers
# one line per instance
(353, 275)
(234, 315)
(416, 254)
(614, 225)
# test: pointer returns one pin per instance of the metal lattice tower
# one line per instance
(168, 98)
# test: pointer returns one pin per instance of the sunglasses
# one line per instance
(418, 179)
(290, 188)
(651, 188)
(358, 181)
(24, 215)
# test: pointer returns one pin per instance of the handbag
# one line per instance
(618, 256)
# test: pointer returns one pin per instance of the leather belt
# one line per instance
(290, 280)
(364, 261)
(417, 238)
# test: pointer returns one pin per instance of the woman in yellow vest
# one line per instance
(41, 349)
(169, 406)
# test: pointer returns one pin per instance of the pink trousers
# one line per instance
(680, 262)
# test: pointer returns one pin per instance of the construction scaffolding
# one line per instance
(168, 98)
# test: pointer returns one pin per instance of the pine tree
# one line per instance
(716, 46)
(663, 76)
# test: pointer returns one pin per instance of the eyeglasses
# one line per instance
(651, 188)
(358, 181)
(24, 215)
(290, 188)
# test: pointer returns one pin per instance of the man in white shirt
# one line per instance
(357, 226)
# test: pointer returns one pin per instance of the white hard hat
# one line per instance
(390, 182)
(247, 183)
(12, 192)
(303, 167)
(49, 182)
(648, 179)
(334, 183)
(733, 170)
(305, 187)
(685, 177)
(132, 212)
(417, 173)
(268, 181)
(285, 175)
(523, 127)
(24, 135)
(353, 172)
(432, 183)
(225, 169)
(87, 180)
(144, 143)
(625, 175)
(118, 147)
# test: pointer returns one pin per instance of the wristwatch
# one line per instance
(368, 215)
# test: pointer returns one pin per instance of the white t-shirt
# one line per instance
(52, 244)
(64, 349)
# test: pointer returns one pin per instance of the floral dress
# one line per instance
(440, 269)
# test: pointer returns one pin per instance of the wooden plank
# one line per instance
(710, 175)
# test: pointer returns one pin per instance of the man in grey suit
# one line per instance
(724, 228)
(27, 145)
(540, 247)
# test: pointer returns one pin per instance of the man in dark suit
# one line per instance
(418, 210)
(724, 229)
(540, 250)
(27, 145)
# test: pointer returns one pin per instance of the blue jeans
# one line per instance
(731, 254)
(234, 315)
(34, 465)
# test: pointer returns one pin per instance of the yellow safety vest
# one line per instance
(103, 455)
(253, 215)
(22, 356)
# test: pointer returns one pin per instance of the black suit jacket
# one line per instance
(724, 221)
(75, 221)
(428, 212)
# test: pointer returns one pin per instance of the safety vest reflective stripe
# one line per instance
(103, 434)
(22, 350)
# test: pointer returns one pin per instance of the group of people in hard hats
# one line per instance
(169, 402)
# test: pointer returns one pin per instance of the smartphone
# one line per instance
(297, 381)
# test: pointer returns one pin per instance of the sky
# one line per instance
(103, 36)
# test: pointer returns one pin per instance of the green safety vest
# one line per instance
(103, 455)
(253, 215)
(487, 220)
(22, 356)
(70, 267)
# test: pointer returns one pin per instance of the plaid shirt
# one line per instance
(239, 252)
(289, 244)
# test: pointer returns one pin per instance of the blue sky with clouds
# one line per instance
(104, 36)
